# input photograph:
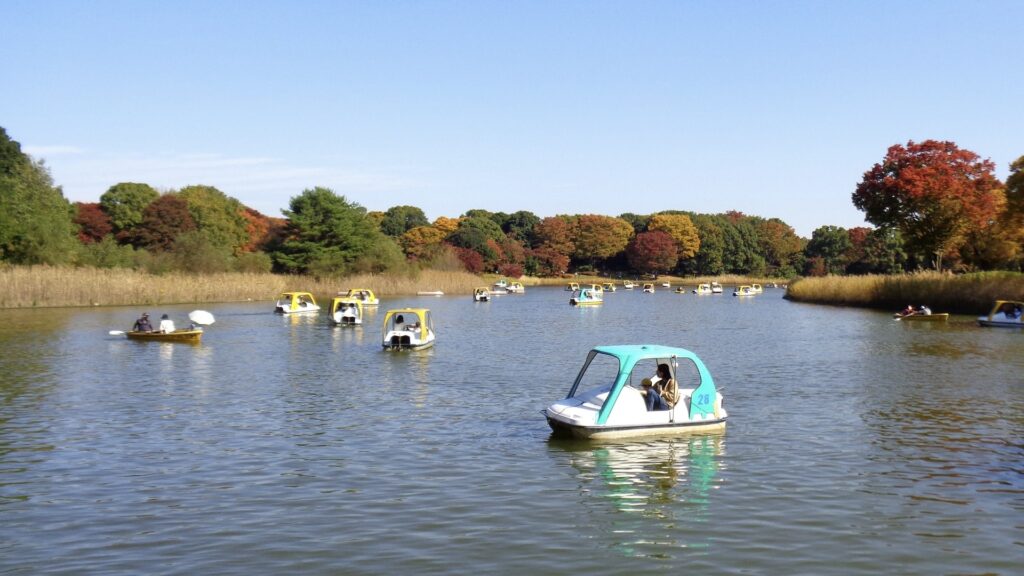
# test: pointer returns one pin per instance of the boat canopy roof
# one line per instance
(345, 300)
(422, 316)
(358, 291)
(633, 353)
(998, 306)
(629, 355)
(480, 289)
(295, 296)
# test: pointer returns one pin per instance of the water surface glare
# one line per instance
(856, 444)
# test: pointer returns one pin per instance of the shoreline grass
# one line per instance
(56, 286)
(53, 287)
(961, 294)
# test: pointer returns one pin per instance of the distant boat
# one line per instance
(1005, 314)
(481, 294)
(296, 303)
(430, 293)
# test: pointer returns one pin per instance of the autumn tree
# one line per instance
(263, 231)
(597, 237)
(546, 261)
(554, 234)
(446, 225)
(656, 252)
(124, 203)
(681, 229)
(933, 192)
(422, 242)
(163, 221)
(93, 223)
(781, 247)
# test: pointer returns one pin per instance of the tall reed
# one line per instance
(966, 294)
(49, 286)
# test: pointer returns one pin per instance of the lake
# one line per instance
(855, 444)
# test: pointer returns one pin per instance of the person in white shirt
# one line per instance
(166, 324)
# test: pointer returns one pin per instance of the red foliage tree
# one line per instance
(93, 222)
(653, 252)
(163, 220)
(471, 259)
(549, 262)
(933, 192)
(262, 230)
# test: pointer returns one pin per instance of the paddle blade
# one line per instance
(116, 332)
(201, 317)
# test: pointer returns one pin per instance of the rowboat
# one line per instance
(925, 317)
(1004, 314)
(597, 409)
(188, 336)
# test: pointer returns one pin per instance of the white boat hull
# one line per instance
(407, 340)
(302, 310)
(614, 432)
(577, 417)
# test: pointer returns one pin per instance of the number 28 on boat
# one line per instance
(606, 399)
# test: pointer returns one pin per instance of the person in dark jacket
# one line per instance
(142, 324)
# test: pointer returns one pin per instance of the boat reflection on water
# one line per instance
(669, 481)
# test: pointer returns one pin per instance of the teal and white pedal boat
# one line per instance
(606, 401)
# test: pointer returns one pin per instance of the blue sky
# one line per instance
(774, 109)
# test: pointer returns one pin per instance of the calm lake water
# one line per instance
(855, 445)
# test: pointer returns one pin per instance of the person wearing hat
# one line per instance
(652, 398)
(142, 324)
(166, 324)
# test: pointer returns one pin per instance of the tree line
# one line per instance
(931, 203)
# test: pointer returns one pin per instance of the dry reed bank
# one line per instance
(49, 286)
(962, 294)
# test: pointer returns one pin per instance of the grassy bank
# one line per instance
(48, 286)
(963, 294)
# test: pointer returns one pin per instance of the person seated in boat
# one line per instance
(652, 398)
(399, 322)
(667, 386)
(1010, 312)
(924, 310)
(142, 324)
(908, 311)
(166, 324)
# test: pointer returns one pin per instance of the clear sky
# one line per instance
(772, 108)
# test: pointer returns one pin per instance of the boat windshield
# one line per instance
(598, 372)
